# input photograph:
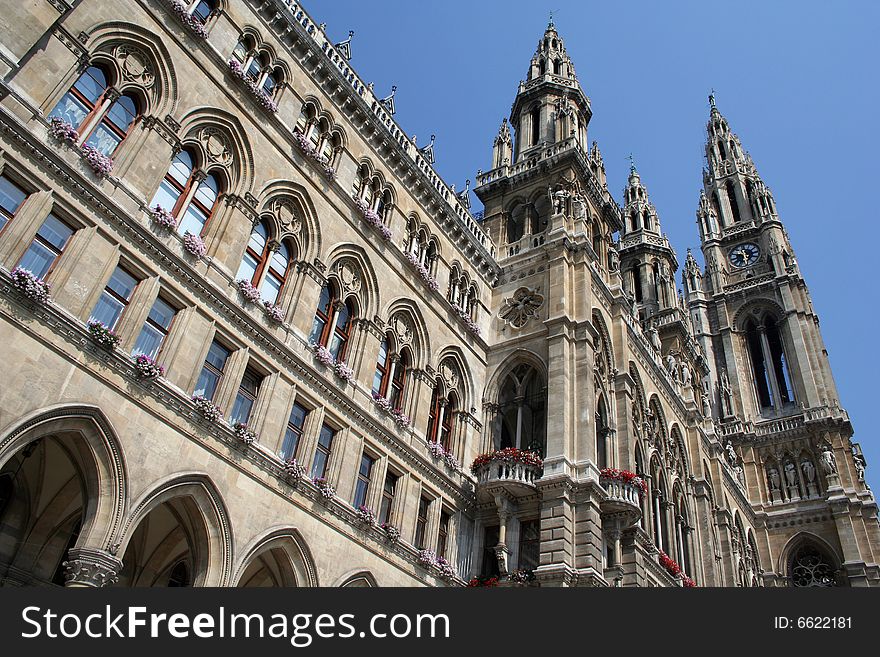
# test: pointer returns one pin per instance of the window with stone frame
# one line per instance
(46, 247)
(11, 198)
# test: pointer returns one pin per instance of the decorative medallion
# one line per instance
(401, 327)
(216, 146)
(349, 278)
(448, 375)
(135, 66)
(288, 218)
(521, 307)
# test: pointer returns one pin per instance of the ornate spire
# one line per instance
(427, 152)
(388, 101)
(639, 213)
(344, 47)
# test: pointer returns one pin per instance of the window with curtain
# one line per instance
(47, 247)
(114, 299)
(155, 329)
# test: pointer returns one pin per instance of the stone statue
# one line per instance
(809, 470)
(731, 453)
(726, 394)
(613, 260)
(791, 474)
(685, 375)
(860, 466)
(773, 476)
(740, 475)
(672, 366)
(828, 462)
(654, 338)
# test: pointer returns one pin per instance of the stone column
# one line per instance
(90, 567)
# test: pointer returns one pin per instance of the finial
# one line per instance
(632, 163)
(550, 24)
(712, 99)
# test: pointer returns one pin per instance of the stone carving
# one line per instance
(860, 464)
(809, 471)
(726, 394)
(828, 462)
(88, 567)
(522, 306)
(216, 146)
(402, 328)
(285, 211)
(773, 477)
(672, 366)
(686, 376)
(732, 458)
(135, 66)
(791, 474)
(349, 277)
(448, 375)
(654, 339)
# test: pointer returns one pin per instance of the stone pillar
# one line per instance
(90, 567)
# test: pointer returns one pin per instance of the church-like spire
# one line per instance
(638, 211)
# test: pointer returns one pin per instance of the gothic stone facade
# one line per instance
(275, 340)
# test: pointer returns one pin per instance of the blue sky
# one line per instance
(797, 81)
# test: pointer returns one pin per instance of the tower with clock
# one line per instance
(769, 386)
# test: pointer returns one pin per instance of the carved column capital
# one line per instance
(90, 567)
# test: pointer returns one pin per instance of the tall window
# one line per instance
(47, 246)
(443, 534)
(264, 267)
(422, 523)
(294, 432)
(246, 397)
(115, 298)
(770, 373)
(331, 327)
(440, 418)
(734, 204)
(155, 329)
(536, 126)
(391, 374)
(102, 123)
(362, 486)
(212, 371)
(529, 544)
(389, 488)
(187, 194)
(322, 452)
(602, 435)
(11, 198)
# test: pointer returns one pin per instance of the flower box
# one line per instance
(343, 371)
(101, 164)
(327, 491)
(422, 270)
(31, 286)
(244, 434)
(261, 96)
(437, 450)
(427, 558)
(103, 335)
(163, 218)
(370, 217)
(508, 455)
(472, 326)
(274, 312)
(340, 368)
(312, 153)
(208, 409)
(294, 471)
(194, 245)
(366, 515)
(445, 568)
(62, 131)
(147, 368)
(248, 291)
(194, 25)
(400, 418)
(480, 582)
(626, 477)
(392, 533)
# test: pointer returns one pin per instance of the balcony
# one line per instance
(512, 470)
(624, 490)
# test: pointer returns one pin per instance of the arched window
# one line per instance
(734, 204)
(331, 327)
(179, 575)
(602, 433)
(102, 121)
(263, 266)
(392, 370)
(440, 418)
(536, 124)
(521, 419)
(810, 566)
(188, 194)
(770, 373)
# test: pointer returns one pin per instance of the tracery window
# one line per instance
(811, 567)
(392, 371)
(101, 116)
(265, 264)
(334, 318)
(189, 194)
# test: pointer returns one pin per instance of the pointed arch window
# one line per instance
(392, 372)
(734, 203)
(101, 116)
(810, 567)
(770, 372)
(442, 412)
(331, 327)
(265, 264)
(188, 194)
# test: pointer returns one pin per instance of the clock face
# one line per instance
(744, 255)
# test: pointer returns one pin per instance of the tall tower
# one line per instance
(775, 397)
(548, 208)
